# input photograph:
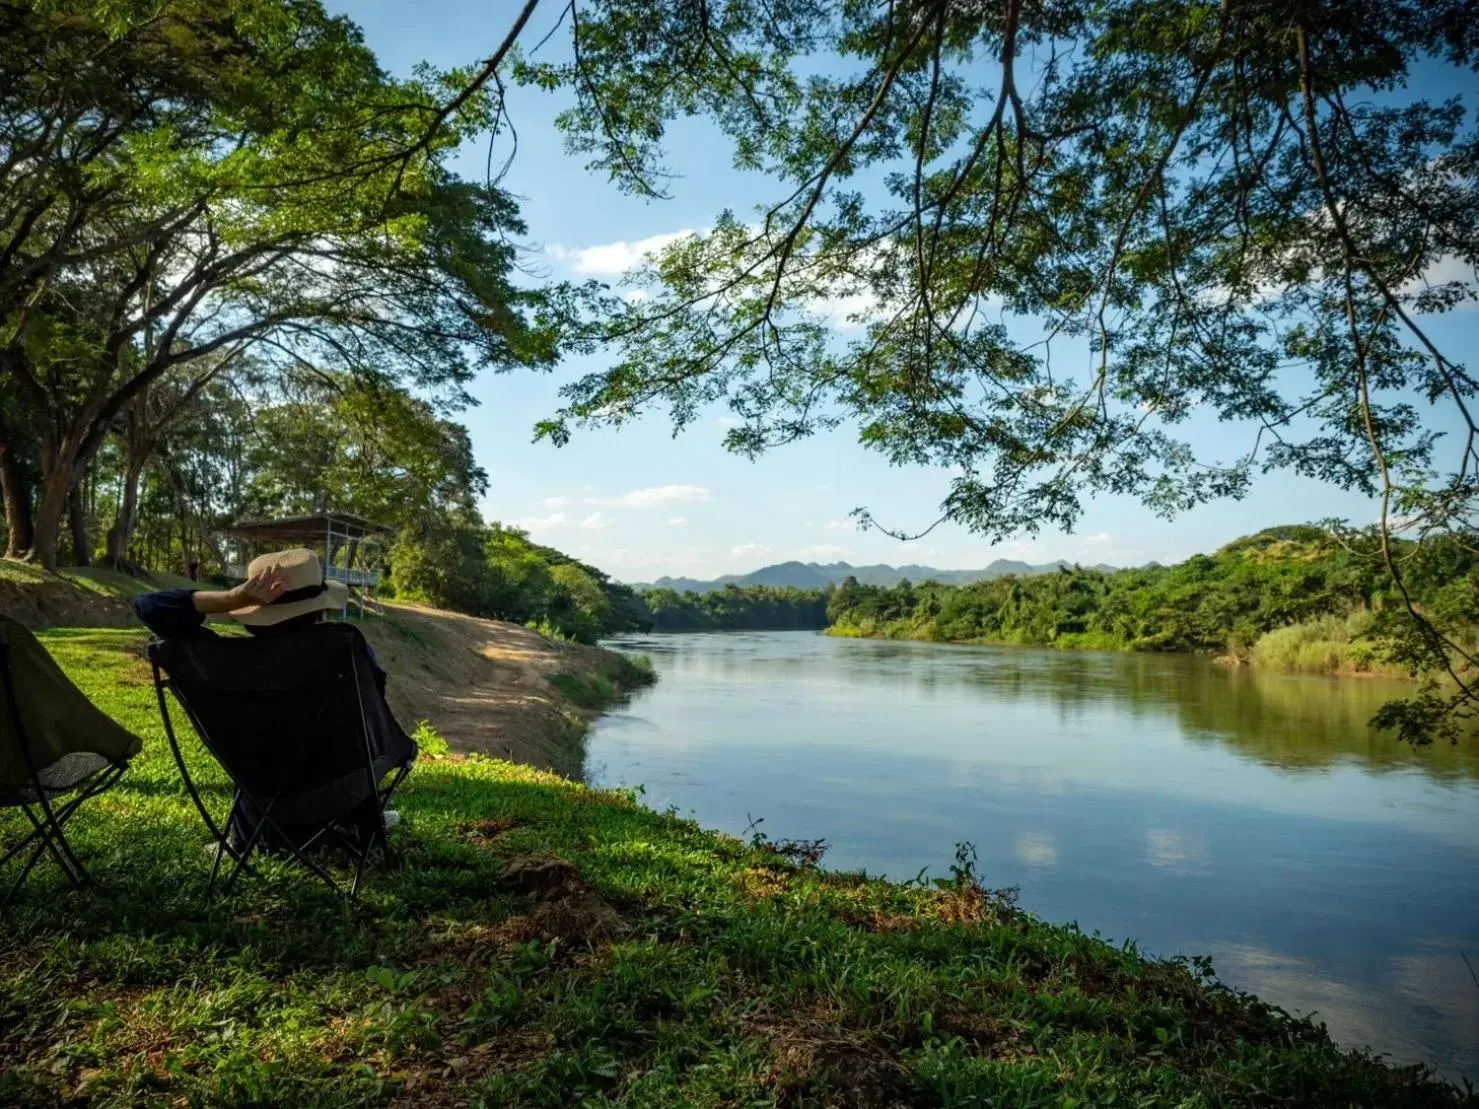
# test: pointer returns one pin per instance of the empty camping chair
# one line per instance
(57, 750)
(305, 735)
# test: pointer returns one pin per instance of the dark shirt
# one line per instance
(171, 614)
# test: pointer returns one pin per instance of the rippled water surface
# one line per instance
(1252, 817)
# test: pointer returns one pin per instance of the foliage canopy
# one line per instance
(1061, 230)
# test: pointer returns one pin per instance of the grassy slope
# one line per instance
(89, 596)
(661, 965)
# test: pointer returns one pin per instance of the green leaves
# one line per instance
(186, 178)
(1054, 232)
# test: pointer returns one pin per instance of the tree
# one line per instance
(1230, 206)
(186, 183)
(362, 447)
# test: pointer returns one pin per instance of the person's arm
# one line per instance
(171, 613)
(260, 590)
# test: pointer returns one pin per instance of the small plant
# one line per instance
(634, 671)
(962, 871)
(963, 892)
(548, 630)
(429, 741)
(588, 691)
(797, 852)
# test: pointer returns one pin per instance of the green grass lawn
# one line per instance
(546, 945)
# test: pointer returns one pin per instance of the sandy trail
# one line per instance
(483, 684)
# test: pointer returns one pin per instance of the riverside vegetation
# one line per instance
(1290, 598)
(545, 943)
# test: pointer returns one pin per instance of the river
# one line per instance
(1163, 799)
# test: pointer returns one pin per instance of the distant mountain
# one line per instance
(815, 575)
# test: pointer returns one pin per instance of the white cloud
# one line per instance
(596, 521)
(1098, 539)
(556, 502)
(840, 525)
(749, 550)
(1446, 270)
(848, 312)
(542, 523)
(676, 521)
(1170, 849)
(618, 258)
(658, 495)
(822, 552)
(726, 422)
(645, 564)
(614, 259)
(1035, 848)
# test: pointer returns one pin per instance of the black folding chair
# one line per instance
(57, 750)
(307, 739)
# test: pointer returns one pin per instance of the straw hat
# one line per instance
(304, 588)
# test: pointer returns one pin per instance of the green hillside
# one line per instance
(1291, 597)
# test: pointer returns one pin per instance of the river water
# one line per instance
(1164, 799)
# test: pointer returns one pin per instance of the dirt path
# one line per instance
(484, 685)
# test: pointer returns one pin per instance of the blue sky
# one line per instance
(640, 503)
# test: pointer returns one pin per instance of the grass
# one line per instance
(1326, 645)
(593, 692)
(94, 579)
(587, 691)
(545, 944)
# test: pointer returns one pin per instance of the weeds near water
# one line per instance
(797, 852)
(587, 691)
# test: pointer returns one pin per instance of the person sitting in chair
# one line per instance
(285, 593)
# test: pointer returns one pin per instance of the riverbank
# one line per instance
(545, 943)
(1325, 646)
(1289, 598)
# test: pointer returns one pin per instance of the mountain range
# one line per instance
(815, 575)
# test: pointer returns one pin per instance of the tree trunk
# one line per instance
(77, 520)
(17, 499)
(121, 534)
(54, 489)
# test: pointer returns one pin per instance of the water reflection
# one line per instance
(1195, 809)
(1293, 722)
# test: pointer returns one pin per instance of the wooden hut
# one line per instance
(350, 547)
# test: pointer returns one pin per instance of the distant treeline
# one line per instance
(733, 608)
(1287, 596)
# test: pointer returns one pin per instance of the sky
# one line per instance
(640, 503)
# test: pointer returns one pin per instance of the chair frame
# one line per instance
(48, 821)
(299, 851)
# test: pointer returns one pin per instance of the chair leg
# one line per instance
(245, 852)
(42, 833)
(103, 781)
(50, 835)
(318, 871)
(223, 848)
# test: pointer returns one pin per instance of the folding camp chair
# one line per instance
(57, 750)
(307, 739)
